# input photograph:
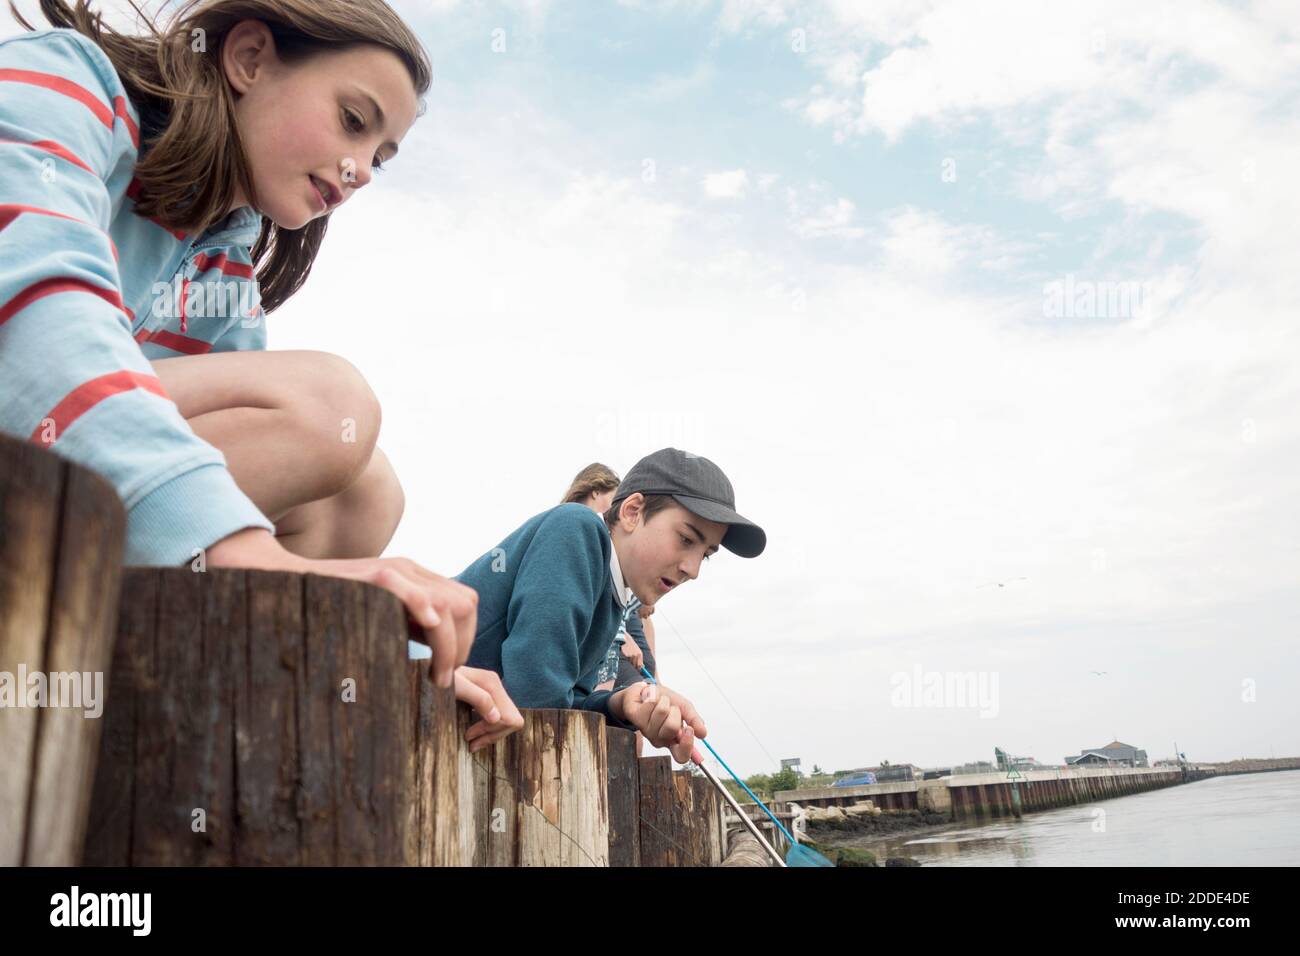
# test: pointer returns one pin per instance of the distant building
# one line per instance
(1114, 754)
(979, 766)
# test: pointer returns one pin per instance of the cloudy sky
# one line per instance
(955, 293)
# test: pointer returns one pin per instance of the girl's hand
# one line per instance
(483, 690)
(445, 612)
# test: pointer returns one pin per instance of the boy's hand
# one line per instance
(483, 690)
(633, 653)
(666, 718)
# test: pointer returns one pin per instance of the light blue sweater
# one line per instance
(90, 291)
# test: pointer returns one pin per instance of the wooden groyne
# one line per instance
(62, 534)
(268, 718)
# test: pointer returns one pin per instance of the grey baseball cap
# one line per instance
(699, 486)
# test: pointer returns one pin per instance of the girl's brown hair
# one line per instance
(595, 479)
(193, 163)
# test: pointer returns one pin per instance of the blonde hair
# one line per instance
(595, 479)
(191, 167)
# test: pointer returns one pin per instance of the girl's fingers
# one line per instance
(443, 641)
(466, 627)
(478, 698)
(438, 633)
(460, 601)
(478, 730)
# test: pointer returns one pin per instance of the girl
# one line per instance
(159, 196)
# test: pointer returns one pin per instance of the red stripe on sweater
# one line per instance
(52, 286)
(89, 394)
(11, 211)
(49, 146)
(122, 113)
(203, 262)
(60, 85)
(177, 343)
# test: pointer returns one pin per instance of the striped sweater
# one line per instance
(90, 292)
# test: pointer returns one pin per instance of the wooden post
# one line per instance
(708, 816)
(435, 762)
(657, 809)
(745, 850)
(538, 797)
(62, 535)
(696, 804)
(258, 717)
(624, 798)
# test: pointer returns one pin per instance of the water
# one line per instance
(1247, 820)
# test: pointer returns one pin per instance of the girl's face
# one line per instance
(657, 555)
(313, 131)
(599, 502)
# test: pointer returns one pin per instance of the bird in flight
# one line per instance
(1000, 584)
(1099, 673)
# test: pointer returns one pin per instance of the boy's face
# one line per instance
(658, 555)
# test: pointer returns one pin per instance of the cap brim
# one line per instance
(743, 537)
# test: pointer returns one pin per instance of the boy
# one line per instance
(552, 594)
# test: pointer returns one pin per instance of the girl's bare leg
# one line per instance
(358, 522)
(297, 428)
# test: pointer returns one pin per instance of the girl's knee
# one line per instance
(342, 416)
(388, 500)
(372, 508)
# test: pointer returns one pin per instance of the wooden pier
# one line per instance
(261, 718)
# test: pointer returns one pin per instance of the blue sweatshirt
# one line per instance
(90, 291)
(547, 610)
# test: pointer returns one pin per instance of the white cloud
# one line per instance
(731, 184)
(918, 242)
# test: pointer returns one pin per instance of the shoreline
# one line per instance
(860, 836)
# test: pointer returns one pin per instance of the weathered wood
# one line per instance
(685, 824)
(708, 821)
(658, 806)
(538, 798)
(434, 824)
(624, 798)
(745, 850)
(62, 537)
(265, 718)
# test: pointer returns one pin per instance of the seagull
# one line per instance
(1000, 584)
(1097, 672)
